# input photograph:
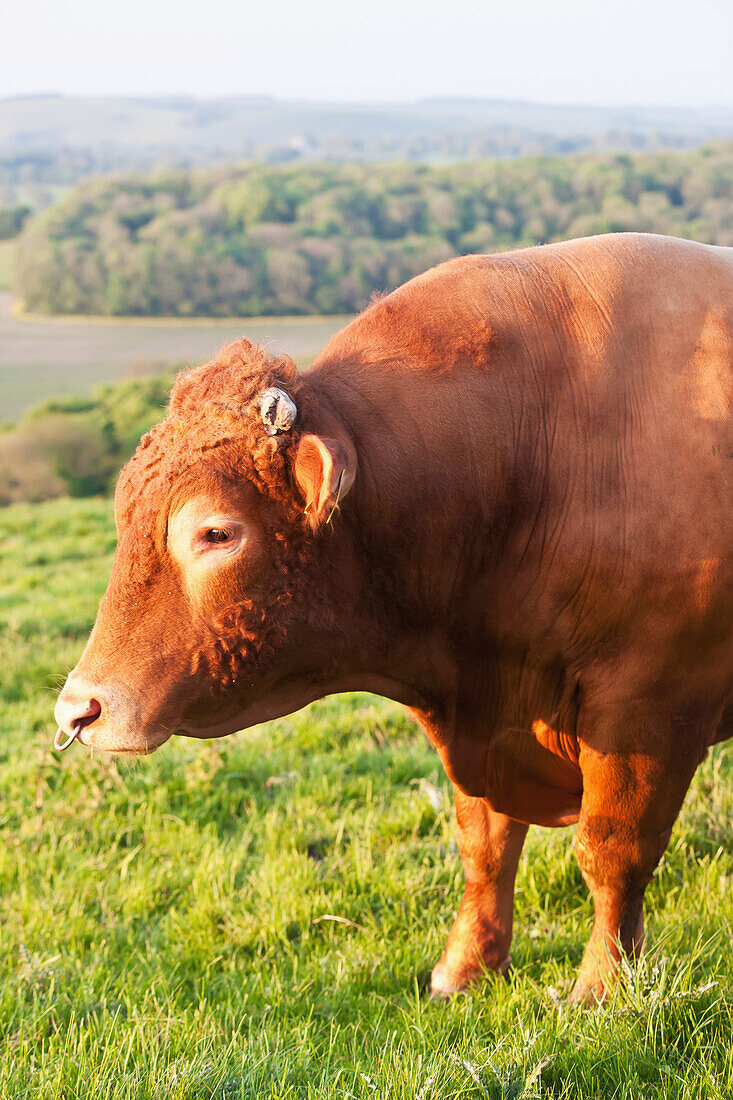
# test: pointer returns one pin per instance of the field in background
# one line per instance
(41, 358)
(257, 916)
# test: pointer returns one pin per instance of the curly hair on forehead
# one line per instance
(214, 418)
(236, 376)
(213, 405)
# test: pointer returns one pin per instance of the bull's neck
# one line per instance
(437, 456)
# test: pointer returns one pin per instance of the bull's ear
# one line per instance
(324, 470)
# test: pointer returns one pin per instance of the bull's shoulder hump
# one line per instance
(472, 297)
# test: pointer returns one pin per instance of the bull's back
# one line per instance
(591, 295)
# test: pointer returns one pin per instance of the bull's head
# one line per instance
(220, 608)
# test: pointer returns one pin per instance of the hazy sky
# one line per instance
(572, 51)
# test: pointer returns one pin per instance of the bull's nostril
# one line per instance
(91, 714)
(72, 724)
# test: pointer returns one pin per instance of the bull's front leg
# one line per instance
(490, 845)
(630, 803)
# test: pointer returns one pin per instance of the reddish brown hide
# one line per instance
(505, 501)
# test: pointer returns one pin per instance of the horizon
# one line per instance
(346, 101)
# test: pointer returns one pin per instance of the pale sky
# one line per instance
(675, 52)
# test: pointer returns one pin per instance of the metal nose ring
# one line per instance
(57, 741)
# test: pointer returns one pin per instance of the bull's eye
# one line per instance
(207, 536)
(216, 534)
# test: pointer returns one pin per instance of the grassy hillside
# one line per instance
(77, 446)
(257, 917)
(320, 239)
(7, 264)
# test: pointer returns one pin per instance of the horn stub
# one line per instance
(278, 411)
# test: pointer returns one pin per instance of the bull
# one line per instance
(502, 497)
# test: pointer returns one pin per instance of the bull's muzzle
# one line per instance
(73, 715)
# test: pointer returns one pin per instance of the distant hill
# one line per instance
(50, 142)
(321, 238)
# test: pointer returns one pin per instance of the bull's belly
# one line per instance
(531, 775)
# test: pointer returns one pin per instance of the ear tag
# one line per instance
(278, 411)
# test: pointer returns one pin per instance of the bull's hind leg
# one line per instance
(490, 845)
(630, 803)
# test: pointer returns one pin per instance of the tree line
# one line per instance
(258, 240)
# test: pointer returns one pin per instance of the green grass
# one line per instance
(165, 925)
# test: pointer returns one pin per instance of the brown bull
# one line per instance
(502, 496)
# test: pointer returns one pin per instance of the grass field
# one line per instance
(257, 917)
(43, 357)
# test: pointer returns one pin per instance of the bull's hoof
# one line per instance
(445, 983)
(585, 994)
(442, 985)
